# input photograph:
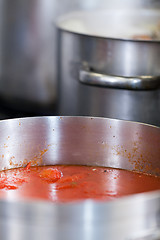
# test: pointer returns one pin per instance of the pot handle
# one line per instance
(133, 83)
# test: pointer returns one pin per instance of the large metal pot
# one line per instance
(26, 60)
(28, 53)
(103, 71)
(89, 141)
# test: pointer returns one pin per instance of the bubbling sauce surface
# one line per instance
(73, 183)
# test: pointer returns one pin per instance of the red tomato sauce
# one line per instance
(71, 183)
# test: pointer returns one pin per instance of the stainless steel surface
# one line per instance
(80, 140)
(28, 74)
(108, 56)
(27, 57)
(148, 235)
(105, 142)
(106, 41)
(85, 220)
(89, 141)
(114, 23)
(132, 83)
(28, 45)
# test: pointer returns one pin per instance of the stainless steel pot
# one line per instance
(26, 61)
(28, 74)
(89, 141)
(97, 49)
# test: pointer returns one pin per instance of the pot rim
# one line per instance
(60, 117)
(63, 18)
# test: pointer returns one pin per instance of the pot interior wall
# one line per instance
(80, 140)
(117, 23)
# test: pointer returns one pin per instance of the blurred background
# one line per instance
(28, 51)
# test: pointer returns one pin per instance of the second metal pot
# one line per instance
(99, 55)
